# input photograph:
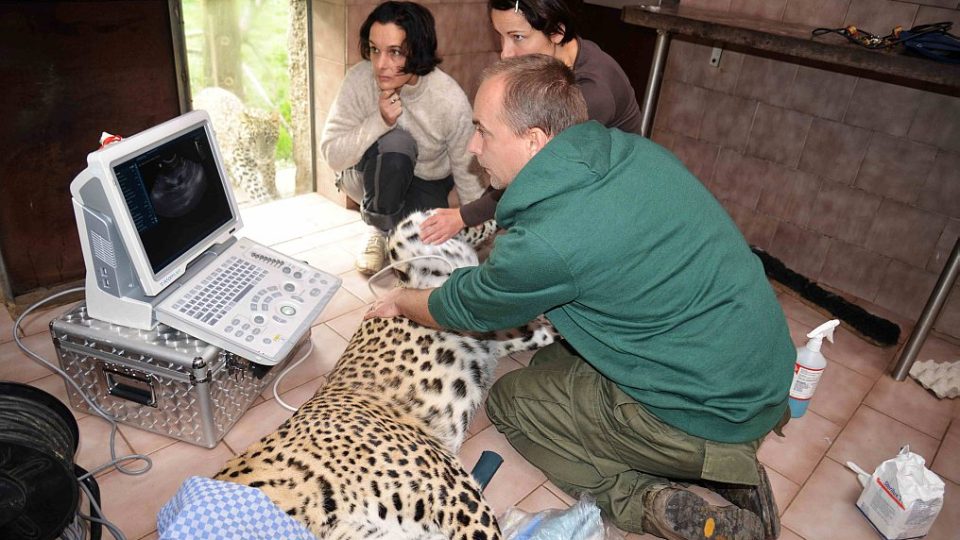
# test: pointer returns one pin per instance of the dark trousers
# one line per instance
(386, 187)
(588, 436)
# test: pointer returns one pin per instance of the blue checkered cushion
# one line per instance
(213, 510)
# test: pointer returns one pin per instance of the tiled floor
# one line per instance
(859, 413)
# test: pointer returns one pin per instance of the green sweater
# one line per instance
(641, 270)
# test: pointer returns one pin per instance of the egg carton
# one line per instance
(941, 378)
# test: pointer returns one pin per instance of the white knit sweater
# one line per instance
(436, 113)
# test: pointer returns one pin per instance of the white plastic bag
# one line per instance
(902, 498)
(579, 522)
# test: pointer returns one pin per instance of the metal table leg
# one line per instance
(929, 315)
(653, 82)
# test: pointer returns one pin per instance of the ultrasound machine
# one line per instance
(157, 217)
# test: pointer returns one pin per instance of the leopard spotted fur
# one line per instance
(373, 453)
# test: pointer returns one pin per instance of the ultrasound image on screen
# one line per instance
(175, 196)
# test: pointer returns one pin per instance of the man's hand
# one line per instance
(443, 225)
(386, 306)
(390, 108)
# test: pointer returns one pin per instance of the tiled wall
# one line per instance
(853, 183)
(465, 39)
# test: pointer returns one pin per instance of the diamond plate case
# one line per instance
(160, 380)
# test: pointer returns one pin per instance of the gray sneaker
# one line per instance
(371, 259)
(675, 513)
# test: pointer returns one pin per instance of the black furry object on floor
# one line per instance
(875, 328)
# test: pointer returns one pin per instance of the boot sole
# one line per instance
(692, 518)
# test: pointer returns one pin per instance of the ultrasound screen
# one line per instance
(175, 196)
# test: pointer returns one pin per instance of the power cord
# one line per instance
(116, 462)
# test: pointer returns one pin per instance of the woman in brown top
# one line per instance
(546, 27)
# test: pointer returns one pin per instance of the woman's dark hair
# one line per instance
(420, 43)
(547, 16)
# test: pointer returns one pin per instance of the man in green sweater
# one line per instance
(676, 359)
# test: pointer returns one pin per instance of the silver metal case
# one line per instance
(159, 380)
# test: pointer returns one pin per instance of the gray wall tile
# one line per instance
(699, 156)
(882, 106)
(765, 80)
(895, 168)
(757, 228)
(844, 212)
(821, 93)
(853, 269)
(727, 120)
(802, 250)
(764, 9)
(723, 77)
(927, 15)
(834, 150)
(789, 195)
(937, 121)
(778, 134)
(816, 13)
(944, 247)
(680, 108)
(739, 178)
(880, 16)
(941, 192)
(905, 233)
(905, 289)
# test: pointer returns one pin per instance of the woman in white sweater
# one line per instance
(399, 127)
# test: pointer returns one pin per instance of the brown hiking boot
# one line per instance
(676, 513)
(757, 499)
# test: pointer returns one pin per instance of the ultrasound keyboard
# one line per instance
(252, 301)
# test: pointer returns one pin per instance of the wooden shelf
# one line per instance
(795, 43)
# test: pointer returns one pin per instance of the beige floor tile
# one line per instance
(787, 534)
(912, 404)
(515, 479)
(346, 325)
(541, 499)
(16, 366)
(839, 393)
(939, 349)
(784, 489)
(132, 502)
(38, 322)
(947, 524)
(481, 421)
(871, 438)
(328, 346)
(947, 461)
(342, 302)
(796, 454)
(6, 325)
(800, 312)
(151, 536)
(94, 449)
(320, 238)
(143, 441)
(356, 284)
(552, 488)
(857, 354)
(826, 507)
(329, 258)
(267, 416)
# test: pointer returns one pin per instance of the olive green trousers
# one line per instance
(588, 436)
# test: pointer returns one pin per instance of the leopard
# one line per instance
(373, 454)
(247, 137)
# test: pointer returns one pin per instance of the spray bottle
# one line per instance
(809, 368)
